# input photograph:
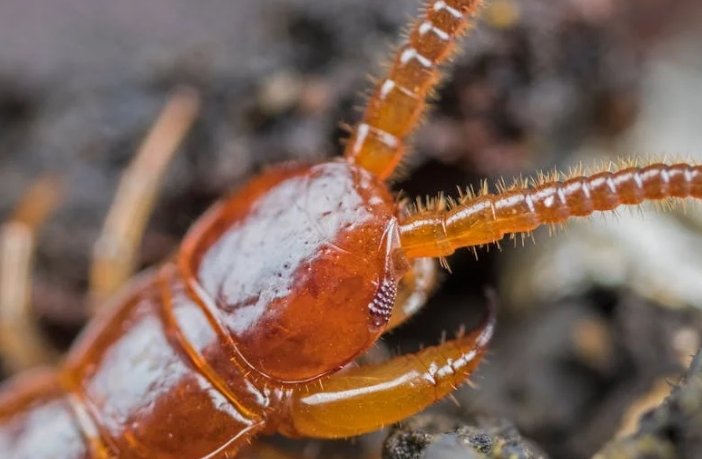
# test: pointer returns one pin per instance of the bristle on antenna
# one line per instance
(399, 100)
(551, 199)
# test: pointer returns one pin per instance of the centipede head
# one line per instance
(303, 265)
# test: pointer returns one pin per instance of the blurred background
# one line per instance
(595, 323)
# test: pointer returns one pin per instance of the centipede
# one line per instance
(253, 325)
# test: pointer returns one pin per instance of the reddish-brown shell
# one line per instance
(301, 267)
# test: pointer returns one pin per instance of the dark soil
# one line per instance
(81, 83)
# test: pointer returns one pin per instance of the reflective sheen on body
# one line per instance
(197, 356)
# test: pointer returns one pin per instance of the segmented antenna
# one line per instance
(399, 100)
(487, 218)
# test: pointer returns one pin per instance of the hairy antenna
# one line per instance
(399, 100)
(487, 218)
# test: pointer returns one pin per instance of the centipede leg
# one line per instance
(413, 291)
(366, 398)
(115, 252)
(21, 342)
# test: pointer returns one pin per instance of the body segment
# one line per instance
(188, 362)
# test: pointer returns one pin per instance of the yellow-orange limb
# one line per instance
(399, 100)
(366, 398)
(115, 252)
(487, 218)
(21, 342)
(413, 291)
